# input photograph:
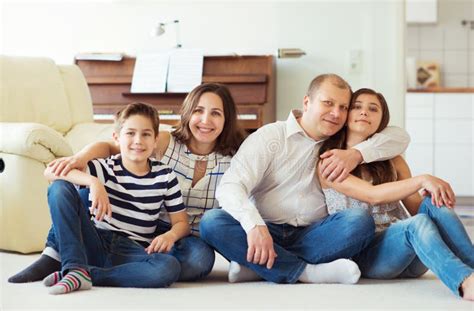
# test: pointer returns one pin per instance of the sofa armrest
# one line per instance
(33, 140)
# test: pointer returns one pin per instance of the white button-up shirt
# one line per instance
(272, 178)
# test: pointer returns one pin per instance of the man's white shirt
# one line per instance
(272, 178)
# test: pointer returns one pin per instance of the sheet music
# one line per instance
(150, 73)
(185, 70)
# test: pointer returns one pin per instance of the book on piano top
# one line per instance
(115, 57)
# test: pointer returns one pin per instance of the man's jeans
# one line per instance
(434, 238)
(341, 235)
(194, 255)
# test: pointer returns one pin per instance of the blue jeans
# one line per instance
(434, 238)
(110, 258)
(341, 235)
(195, 256)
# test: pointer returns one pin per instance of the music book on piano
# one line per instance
(116, 57)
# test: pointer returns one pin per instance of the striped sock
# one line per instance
(75, 279)
(53, 278)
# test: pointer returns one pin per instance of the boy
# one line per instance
(118, 247)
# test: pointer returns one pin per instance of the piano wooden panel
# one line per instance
(250, 79)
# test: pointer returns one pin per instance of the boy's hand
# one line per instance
(100, 201)
(162, 243)
(62, 166)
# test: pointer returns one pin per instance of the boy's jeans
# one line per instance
(435, 238)
(111, 259)
(341, 235)
(194, 255)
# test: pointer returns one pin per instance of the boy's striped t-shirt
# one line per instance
(136, 201)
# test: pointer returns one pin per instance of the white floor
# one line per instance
(216, 293)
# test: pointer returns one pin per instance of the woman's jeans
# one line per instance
(341, 235)
(434, 238)
(111, 259)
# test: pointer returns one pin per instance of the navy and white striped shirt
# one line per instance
(136, 201)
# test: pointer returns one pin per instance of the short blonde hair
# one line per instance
(333, 78)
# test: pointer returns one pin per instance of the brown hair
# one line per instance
(231, 137)
(331, 77)
(137, 108)
(380, 171)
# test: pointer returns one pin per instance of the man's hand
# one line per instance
(162, 243)
(100, 201)
(62, 166)
(338, 164)
(260, 249)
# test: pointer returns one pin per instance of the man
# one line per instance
(274, 219)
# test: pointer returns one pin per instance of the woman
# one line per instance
(433, 238)
(199, 150)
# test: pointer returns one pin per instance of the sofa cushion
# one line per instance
(32, 90)
(86, 133)
(78, 94)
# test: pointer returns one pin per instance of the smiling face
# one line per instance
(325, 110)
(137, 140)
(365, 115)
(207, 120)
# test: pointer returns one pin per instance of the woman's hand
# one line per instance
(162, 243)
(62, 166)
(100, 201)
(440, 191)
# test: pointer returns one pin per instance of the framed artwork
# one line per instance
(427, 75)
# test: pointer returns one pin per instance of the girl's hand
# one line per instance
(100, 201)
(162, 243)
(62, 166)
(440, 191)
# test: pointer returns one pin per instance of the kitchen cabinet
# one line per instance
(421, 11)
(441, 127)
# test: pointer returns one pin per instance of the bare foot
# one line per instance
(468, 288)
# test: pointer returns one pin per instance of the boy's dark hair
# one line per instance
(380, 171)
(232, 135)
(137, 108)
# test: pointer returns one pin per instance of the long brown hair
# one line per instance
(232, 135)
(380, 171)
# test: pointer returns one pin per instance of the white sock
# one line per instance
(343, 271)
(238, 273)
(51, 252)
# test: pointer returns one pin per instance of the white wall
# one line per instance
(326, 30)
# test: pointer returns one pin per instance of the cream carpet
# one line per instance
(215, 293)
(425, 293)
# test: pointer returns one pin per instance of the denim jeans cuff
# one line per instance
(71, 266)
(458, 290)
(295, 274)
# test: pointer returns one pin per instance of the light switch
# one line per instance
(355, 61)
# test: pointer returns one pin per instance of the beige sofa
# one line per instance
(45, 113)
